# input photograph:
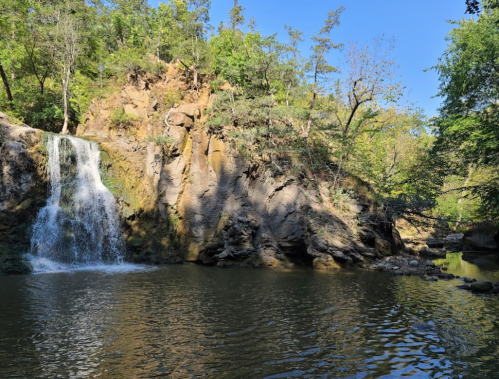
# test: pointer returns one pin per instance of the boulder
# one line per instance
(481, 242)
(356, 257)
(369, 252)
(383, 247)
(180, 119)
(432, 253)
(433, 243)
(414, 263)
(481, 286)
(454, 237)
(341, 257)
(485, 228)
(325, 264)
(454, 242)
(190, 110)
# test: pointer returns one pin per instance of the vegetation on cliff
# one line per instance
(275, 103)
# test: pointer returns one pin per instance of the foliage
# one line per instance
(273, 102)
(121, 119)
(161, 140)
(468, 127)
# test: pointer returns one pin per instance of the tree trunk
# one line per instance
(7, 86)
(463, 194)
(65, 86)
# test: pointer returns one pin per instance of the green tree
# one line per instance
(468, 124)
(236, 15)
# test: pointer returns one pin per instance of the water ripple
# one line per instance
(193, 322)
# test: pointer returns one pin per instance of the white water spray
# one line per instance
(80, 223)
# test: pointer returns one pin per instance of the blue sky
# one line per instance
(419, 27)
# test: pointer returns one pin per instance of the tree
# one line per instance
(473, 6)
(236, 15)
(292, 67)
(318, 65)
(469, 116)
(357, 105)
(10, 15)
(68, 48)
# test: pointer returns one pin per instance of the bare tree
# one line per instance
(369, 85)
(68, 49)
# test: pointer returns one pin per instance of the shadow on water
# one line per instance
(191, 321)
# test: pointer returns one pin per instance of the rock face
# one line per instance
(195, 198)
(22, 191)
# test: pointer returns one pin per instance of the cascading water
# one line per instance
(80, 223)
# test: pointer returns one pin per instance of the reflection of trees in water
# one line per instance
(479, 266)
(456, 329)
(190, 321)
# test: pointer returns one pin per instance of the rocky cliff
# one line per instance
(187, 195)
(23, 190)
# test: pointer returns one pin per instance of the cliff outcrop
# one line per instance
(23, 191)
(188, 195)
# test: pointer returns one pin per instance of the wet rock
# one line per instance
(445, 276)
(414, 263)
(429, 263)
(325, 264)
(469, 280)
(464, 287)
(434, 243)
(431, 253)
(481, 286)
(454, 242)
(454, 237)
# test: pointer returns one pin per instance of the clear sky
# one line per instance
(419, 27)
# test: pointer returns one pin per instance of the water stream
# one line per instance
(79, 225)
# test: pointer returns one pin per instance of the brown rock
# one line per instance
(190, 110)
(383, 247)
(180, 119)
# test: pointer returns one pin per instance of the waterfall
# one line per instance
(79, 224)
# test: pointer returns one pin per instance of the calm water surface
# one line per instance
(198, 322)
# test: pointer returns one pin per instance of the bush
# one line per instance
(121, 119)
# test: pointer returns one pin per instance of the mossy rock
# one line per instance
(134, 241)
(326, 264)
(15, 266)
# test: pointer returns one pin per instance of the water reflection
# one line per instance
(186, 322)
(478, 266)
